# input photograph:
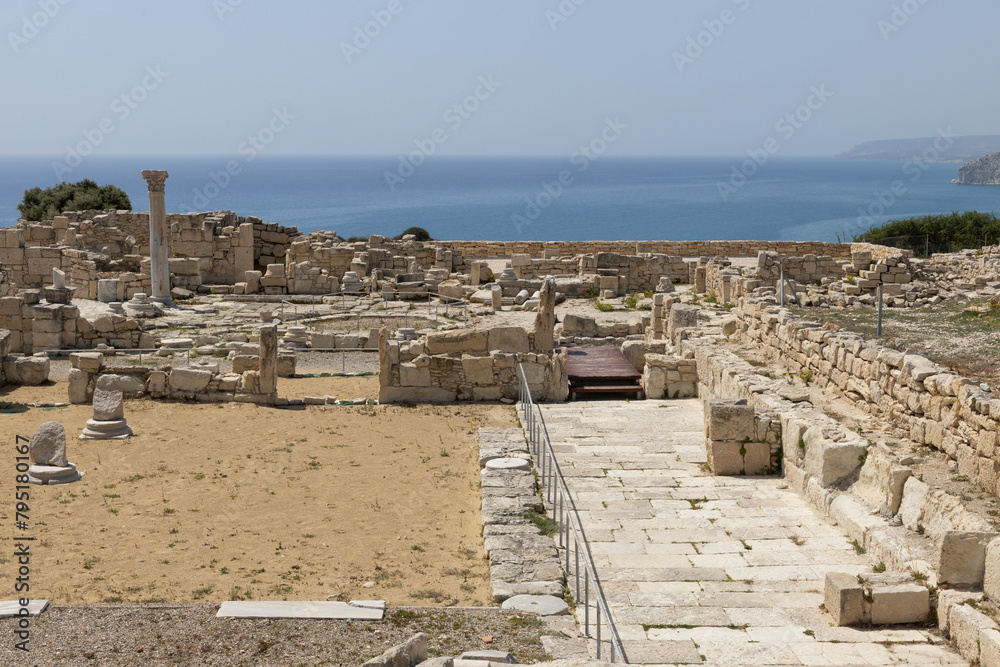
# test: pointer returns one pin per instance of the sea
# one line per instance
(531, 198)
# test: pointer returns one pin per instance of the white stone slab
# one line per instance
(508, 464)
(329, 610)
(10, 608)
(368, 604)
(543, 605)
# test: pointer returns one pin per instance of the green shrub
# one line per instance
(419, 232)
(39, 204)
(939, 233)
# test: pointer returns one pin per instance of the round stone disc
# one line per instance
(508, 464)
(543, 605)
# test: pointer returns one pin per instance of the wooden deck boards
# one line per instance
(601, 370)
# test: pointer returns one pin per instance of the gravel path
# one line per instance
(110, 634)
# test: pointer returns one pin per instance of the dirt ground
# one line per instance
(235, 501)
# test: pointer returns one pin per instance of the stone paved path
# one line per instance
(709, 570)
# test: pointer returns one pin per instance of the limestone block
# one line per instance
(635, 352)
(28, 371)
(189, 379)
(477, 370)
(48, 445)
(534, 374)
(881, 479)
(911, 508)
(730, 326)
(843, 598)
(470, 341)
(411, 376)
(991, 577)
(757, 458)
(268, 371)
(389, 394)
(681, 316)
(965, 625)
(830, 461)
(489, 393)
(407, 654)
(963, 557)
(320, 340)
(730, 421)
(78, 382)
(989, 648)
(654, 381)
(946, 600)
(916, 369)
(87, 361)
(855, 519)
(902, 603)
(130, 384)
(680, 390)
(574, 325)
(156, 382)
(108, 405)
(724, 458)
(286, 365)
(508, 339)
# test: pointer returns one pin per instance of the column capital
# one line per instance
(154, 179)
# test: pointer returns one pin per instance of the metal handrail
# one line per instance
(567, 517)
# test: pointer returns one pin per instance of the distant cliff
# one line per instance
(982, 171)
(933, 149)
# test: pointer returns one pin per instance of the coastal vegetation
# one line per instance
(937, 233)
(85, 195)
(419, 232)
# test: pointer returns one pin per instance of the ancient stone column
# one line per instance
(269, 359)
(158, 235)
(545, 318)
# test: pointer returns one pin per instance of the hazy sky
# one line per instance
(676, 77)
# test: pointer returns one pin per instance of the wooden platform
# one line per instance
(601, 370)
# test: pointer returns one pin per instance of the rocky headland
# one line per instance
(981, 171)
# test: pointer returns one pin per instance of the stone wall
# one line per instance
(187, 383)
(35, 325)
(316, 263)
(879, 251)
(482, 249)
(936, 406)
(468, 364)
(211, 248)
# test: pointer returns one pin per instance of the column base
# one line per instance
(39, 474)
(166, 301)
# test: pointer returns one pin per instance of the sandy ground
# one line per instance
(217, 502)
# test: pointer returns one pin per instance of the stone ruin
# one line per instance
(47, 452)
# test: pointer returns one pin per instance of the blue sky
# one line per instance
(684, 77)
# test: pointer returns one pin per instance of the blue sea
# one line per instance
(536, 198)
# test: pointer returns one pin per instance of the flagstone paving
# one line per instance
(710, 570)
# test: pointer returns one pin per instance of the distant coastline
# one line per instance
(788, 199)
(942, 148)
(981, 171)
